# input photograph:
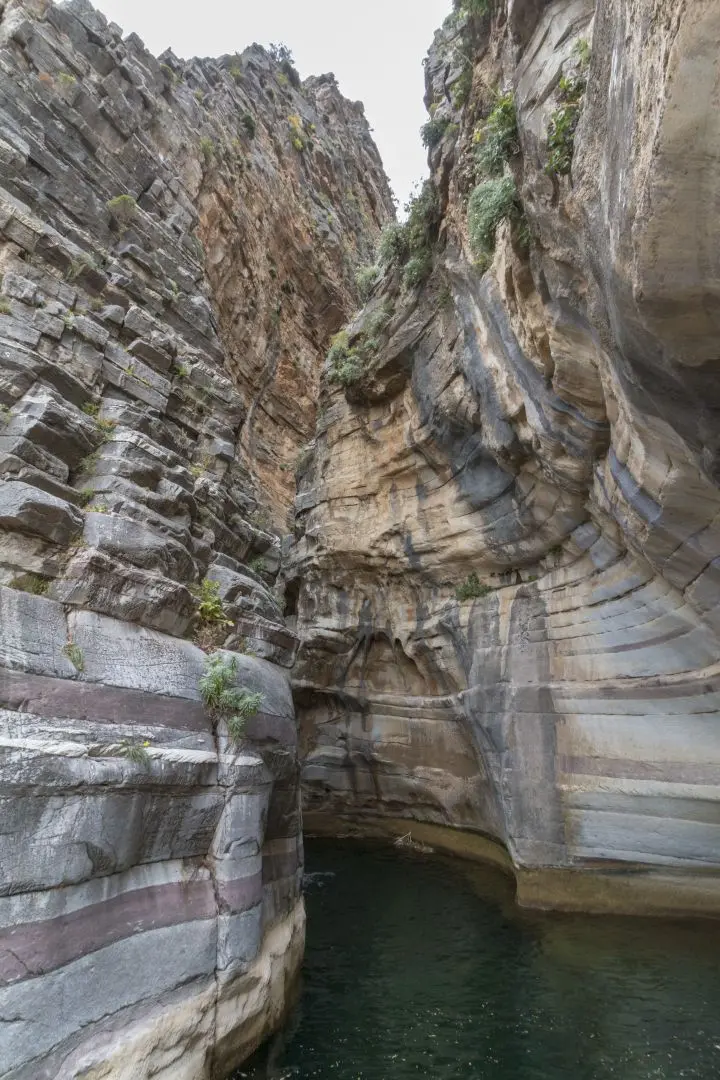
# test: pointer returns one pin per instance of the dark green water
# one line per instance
(422, 968)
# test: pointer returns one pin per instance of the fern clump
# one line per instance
(222, 699)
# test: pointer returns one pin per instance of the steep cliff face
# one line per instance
(177, 243)
(506, 579)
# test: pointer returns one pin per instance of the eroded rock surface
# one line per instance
(542, 432)
(177, 243)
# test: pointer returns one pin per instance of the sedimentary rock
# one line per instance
(177, 243)
(506, 575)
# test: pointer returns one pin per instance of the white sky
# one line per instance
(374, 47)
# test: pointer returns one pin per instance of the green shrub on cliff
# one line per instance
(433, 130)
(212, 624)
(411, 242)
(365, 280)
(496, 139)
(346, 365)
(123, 208)
(564, 120)
(393, 247)
(471, 589)
(224, 701)
(473, 7)
(491, 202)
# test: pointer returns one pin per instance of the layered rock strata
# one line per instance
(506, 581)
(177, 243)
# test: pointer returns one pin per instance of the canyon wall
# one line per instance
(506, 580)
(177, 243)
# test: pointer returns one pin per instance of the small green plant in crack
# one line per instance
(5, 308)
(105, 427)
(258, 565)
(414, 238)
(30, 583)
(346, 365)
(74, 654)
(471, 589)
(250, 124)
(85, 495)
(564, 120)
(80, 265)
(134, 751)
(88, 464)
(207, 149)
(123, 208)
(222, 699)
(417, 270)
(212, 624)
(210, 605)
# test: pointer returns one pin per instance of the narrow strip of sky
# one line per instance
(375, 48)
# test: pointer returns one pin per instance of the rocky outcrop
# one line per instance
(177, 243)
(506, 578)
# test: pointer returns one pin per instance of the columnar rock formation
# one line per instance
(177, 243)
(507, 580)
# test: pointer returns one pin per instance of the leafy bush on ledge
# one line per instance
(222, 699)
(471, 589)
(346, 365)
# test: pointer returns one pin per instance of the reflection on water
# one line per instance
(423, 968)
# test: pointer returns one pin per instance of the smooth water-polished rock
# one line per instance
(505, 581)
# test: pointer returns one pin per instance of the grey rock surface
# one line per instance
(162, 327)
